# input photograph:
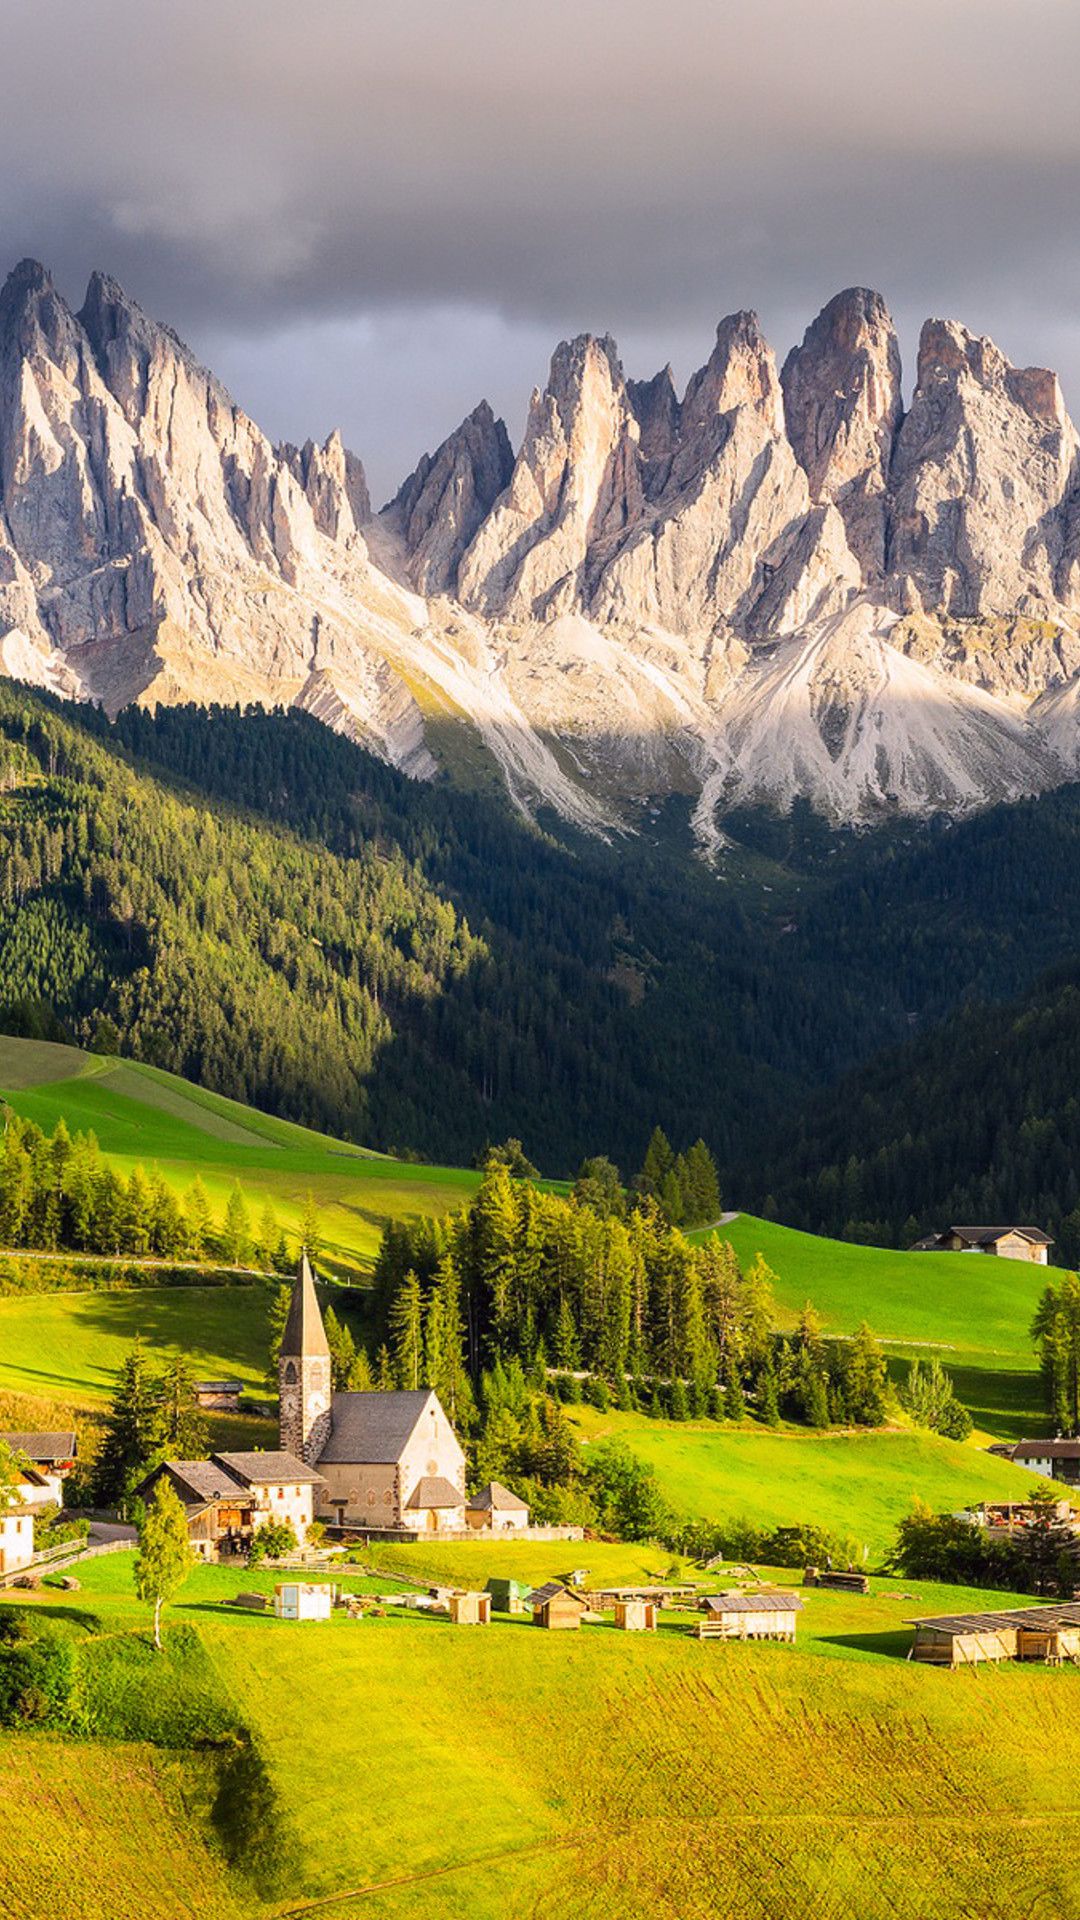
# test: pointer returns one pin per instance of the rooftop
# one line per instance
(434, 1491)
(498, 1499)
(268, 1469)
(44, 1448)
(304, 1331)
(787, 1602)
(373, 1429)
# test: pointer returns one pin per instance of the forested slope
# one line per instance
(262, 906)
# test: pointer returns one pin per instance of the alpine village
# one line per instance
(539, 961)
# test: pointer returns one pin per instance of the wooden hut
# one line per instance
(636, 1616)
(557, 1607)
(508, 1596)
(1050, 1633)
(749, 1616)
(470, 1609)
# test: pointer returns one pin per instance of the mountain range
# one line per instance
(781, 583)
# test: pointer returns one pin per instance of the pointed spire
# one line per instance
(304, 1331)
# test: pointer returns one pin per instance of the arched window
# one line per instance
(290, 1374)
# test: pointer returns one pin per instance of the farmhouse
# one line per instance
(557, 1607)
(496, 1510)
(379, 1460)
(1056, 1459)
(750, 1616)
(1024, 1633)
(17, 1521)
(1009, 1243)
(51, 1455)
(230, 1496)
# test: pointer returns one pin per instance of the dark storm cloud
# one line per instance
(302, 188)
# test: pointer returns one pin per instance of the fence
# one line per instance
(65, 1554)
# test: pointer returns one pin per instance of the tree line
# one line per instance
(59, 1193)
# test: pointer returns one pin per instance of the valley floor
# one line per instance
(410, 1767)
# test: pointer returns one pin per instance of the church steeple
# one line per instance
(304, 1372)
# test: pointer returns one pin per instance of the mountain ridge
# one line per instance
(782, 584)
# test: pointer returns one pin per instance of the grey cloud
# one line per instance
(271, 178)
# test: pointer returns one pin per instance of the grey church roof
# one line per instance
(373, 1429)
(497, 1498)
(304, 1331)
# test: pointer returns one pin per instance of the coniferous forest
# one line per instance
(261, 905)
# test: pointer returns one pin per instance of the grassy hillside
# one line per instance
(410, 1767)
(859, 1485)
(142, 1114)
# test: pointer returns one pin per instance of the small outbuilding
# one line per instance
(636, 1616)
(508, 1596)
(750, 1616)
(557, 1607)
(496, 1510)
(1050, 1633)
(470, 1609)
(219, 1396)
(303, 1600)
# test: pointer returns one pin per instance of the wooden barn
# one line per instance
(1050, 1633)
(557, 1607)
(749, 1616)
(470, 1609)
(636, 1616)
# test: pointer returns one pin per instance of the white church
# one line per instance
(384, 1459)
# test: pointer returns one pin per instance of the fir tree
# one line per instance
(183, 1429)
(197, 1218)
(236, 1234)
(407, 1333)
(134, 1431)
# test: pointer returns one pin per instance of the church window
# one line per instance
(290, 1374)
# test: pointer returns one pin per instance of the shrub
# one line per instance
(272, 1542)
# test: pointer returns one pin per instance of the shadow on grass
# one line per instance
(894, 1645)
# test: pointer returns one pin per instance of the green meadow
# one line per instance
(859, 1484)
(144, 1116)
(403, 1767)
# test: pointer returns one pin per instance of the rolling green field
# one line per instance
(142, 1115)
(859, 1485)
(410, 1768)
(70, 1346)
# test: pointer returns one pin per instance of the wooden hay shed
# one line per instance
(1050, 1633)
(509, 1596)
(470, 1609)
(303, 1600)
(750, 1616)
(636, 1616)
(557, 1607)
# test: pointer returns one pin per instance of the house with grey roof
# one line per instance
(227, 1498)
(1008, 1243)
(50, 1456)
(494, 1509)
(383, 1460)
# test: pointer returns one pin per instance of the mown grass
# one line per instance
(142, 1115)
(859, 1485)
(70, 1346)
(974, 1307)
(480, 1774)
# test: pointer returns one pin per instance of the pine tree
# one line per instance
(183, 1429)
(277, 1313)
(134, 1429)
(165, 1220)
(384, 1370)
(342, 1351)
(236, 1234)
(407, 1333)
(310, 1228)
(865, 1380)
(267, 1236)
(197, 1218)
(701, 1186)
(658, 1163)
(135, 1211)
(165, 1556)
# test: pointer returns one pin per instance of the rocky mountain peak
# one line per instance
(447, 497)
(842, 408)
(740, 371)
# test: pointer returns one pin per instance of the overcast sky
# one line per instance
(371, 215)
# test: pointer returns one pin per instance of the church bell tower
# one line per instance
(304, 1373)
